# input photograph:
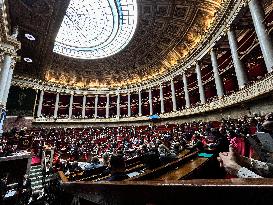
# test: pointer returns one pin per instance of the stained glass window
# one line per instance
(94, 29)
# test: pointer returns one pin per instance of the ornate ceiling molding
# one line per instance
(224, 19)
(8, 43)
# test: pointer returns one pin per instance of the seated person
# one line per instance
(244, 167)
(105, 158)
(117, 166)
(216, 141)
(151, 159)
(95, 163)
(165, 153)
(195, 144)
(75, 167)
(177, 148)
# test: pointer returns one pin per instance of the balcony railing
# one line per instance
(250, 91)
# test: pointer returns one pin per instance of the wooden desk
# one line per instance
(197, 191)
(154, 173)
(184, 170)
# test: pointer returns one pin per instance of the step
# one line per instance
(32, 168)
(37, 187)
(40, 191)
(35, 170)
(33, 175)
(36, 182)
(36, 178)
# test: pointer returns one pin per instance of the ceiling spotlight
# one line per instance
(28, 60)
(30, 37)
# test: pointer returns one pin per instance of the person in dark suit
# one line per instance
(117, 166)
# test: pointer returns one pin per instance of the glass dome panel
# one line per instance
(93, 29)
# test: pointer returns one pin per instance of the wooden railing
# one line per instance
(197, 191)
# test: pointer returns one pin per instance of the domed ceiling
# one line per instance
(166, 31)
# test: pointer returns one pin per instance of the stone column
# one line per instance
(173, 96)
(186, 91)
(265, 41)
(83, 105)
(162, 99)
(129, 104)
(56, 105)
(200, 84)
(40, 105)
(70, 106)
(107, 105)
(238, 65)
(139, 103)
(218, 81)
(150, 102)
(96, 105)
(4, 75)
(7, 87)
(118, 105)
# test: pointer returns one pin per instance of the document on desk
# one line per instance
(266, 141)
(133, 174)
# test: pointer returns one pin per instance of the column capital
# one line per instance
(226, 29)
(196, 62)
(246, 2)
(212, 49)
(7, 50)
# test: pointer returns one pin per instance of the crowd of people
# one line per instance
(108, 149)
(94, 145)
(12, 142)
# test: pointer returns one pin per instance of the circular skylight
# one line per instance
(93, 29)
(30, 37)
(28, 60)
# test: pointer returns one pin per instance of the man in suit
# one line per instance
(117, 166)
